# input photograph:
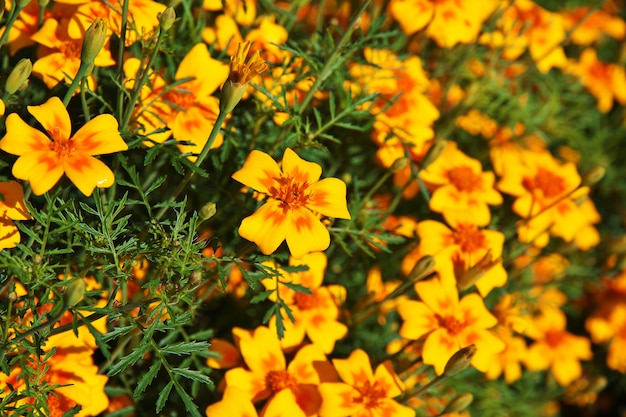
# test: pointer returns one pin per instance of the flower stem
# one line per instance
(82, 73)
(190, 174)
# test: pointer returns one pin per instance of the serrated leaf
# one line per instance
(186, 348)
(261, 296)
(193, 375)
(117, 332)
(88, 208)
(190, 407)
(129, 360)
(297, 287)
(163, 396)
(147, 378)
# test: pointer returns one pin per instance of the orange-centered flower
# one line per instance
(363, 392)
(448, 324)
(44, 158)
(296, 198)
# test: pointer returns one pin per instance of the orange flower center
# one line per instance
(469, 238)
(306, 301)
(60, 145)
(71, 48)
(59, 404)
(451, 324)
(179, 99)
(555, 338)
(371, 395)
(290, 193)
(464, 179)
(279, 380)
(550, 184)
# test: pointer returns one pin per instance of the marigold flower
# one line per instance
(235, 403)
(12, 207)
(242, 71)
(463, 190)
(508, 362)
(315, 314)
(588, 26)
(187, 111)
(295, 197)
(449, 324)
(44, 158)
(363, 392)
(465, 246)
(71, 366)
(555, 348)
(60, 54)
(605, 81)
(268, 374)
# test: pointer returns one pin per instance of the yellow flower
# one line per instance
(605, 81)
(449, 324)
(315, 314)
(463, 190)
(12, 207)
(363, 392)
(44, 158)
(187, 111)
(71, 366)
(236, 404)
(267, 373)
(242, 71)
(295, 197)
(466, 248)
(555, 348)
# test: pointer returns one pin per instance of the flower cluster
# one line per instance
(337, 208)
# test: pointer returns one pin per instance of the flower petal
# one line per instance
(302, 171)
(328, 197)
(234, 403)
(41, 168)
(356, 369)
(305, 233)
(87, 172)
(12, 205)
(99, 136)
(53, 117)
(267, 227)
(9, 235)
(259, 172)
(22, 138)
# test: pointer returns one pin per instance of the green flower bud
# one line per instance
(18, 76)
(166, 19)
(74, 293)
(95, 37)
(208, 210)
(460, 403)
(460, 360)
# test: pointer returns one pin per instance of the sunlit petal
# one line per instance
(53, 117)
(267, 227)
(299, 169)
(87, 172)
(22, 138)
(328, 197)
(259, 172)
(305, 233)
(99, 136)
(42, 169)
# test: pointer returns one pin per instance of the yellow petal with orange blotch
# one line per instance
(338, 400)
(387, 380)
(439, 348)
(259, 172)
(87, 172)
(300, 170)
(418, 318)
(99, 136)
(234, 403)
(267, 227)
(22, 138)
(9, 235)
(281, 405)
(41, 168)
(356, 369)
(53, 117)
(328, 197)
(305, 233)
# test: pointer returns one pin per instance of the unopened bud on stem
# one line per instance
(166, 18)
(422, 269)
(460, 360)
(74, 293)
(95, 37)
(460, 403)
(18, 76)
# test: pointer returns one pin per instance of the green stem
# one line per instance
(82, 73)
(83, 101)
(142, 81)
(191, 174)
(15, 12)
(120, 59)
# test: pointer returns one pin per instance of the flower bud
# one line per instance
(458, 404)
(476, 272)
(167, 18)
(460, 360)
(231, 95)
(398, 165)
(95, 37)
(422, 268)
(594, 175)
(208, 210)
(435, 150)
(74, 293)
(22, 3)
(18, 76)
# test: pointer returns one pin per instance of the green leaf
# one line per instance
(163, 396)
(191, 408)
(186, 348)
(130, 359)
(193, 375)
(147, 378)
